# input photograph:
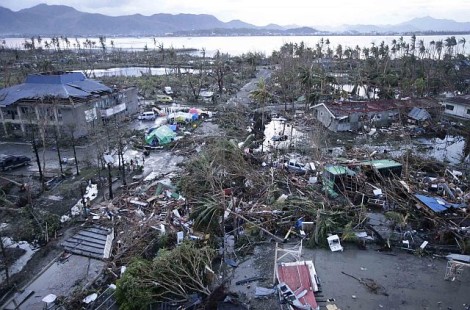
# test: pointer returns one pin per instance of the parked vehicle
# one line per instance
(147, 116)
(168, 90)
(8, 162)
(297, 167)
(164, 98)
(280, 138)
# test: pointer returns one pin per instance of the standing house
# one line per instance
(65, 100)
(458, 106)
(354, 115)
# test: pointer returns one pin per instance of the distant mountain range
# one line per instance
(421, 24)
(56, 20)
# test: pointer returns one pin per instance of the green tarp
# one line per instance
(160, 136)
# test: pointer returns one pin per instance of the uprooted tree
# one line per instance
(172, 275)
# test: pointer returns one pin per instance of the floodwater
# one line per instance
(18, 265)
(236, 45)
(60, 279)
(136, 71)
(449, 149)
(411, 282)
(279, 127)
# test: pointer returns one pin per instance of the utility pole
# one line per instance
(110, 182)
(56, 137)
(109, 161)
(35, 149)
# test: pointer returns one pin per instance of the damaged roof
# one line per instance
(61, 85)
(419, 114)
(461, 100)
(92, 241)
(347, 108)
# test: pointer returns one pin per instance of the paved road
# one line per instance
(87, 153)
(243, 95)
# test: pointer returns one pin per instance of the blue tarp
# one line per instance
(437, 204)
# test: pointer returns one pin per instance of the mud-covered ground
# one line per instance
(408, 281)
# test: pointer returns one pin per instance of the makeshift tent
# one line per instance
(160, 136)
(182, 117)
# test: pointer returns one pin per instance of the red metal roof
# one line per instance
(351, 107)
(298, 278)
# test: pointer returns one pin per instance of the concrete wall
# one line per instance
(130, 98)
(73, 120)
(325, 117)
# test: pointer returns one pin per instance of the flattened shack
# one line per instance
(353, 115)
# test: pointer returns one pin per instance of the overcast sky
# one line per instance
(283, 12)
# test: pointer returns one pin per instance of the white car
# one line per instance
(147, 116)
(297, 167)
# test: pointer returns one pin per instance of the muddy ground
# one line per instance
(409, 281)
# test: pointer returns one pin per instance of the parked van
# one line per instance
(164, 98)
(168, 90)
(147, 116)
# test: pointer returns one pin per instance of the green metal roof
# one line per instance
(383, 163)
(339, 170)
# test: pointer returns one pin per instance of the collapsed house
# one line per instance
(355, 115)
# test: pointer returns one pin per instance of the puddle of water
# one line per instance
(450, 149)
(278, 128)
(137, 71)
(360, 91)
(19, 264)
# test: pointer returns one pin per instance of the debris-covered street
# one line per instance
(229, 198)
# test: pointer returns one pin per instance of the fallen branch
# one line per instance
(373, 286)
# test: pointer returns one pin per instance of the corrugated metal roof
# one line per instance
(383, 163)
(419, 114)
(436, 204)
(61, 86)
(91, 242)
(339, 170)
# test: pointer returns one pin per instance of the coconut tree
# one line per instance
(463, 41)
(261, 95)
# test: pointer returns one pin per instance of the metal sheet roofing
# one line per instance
(339, 170)
(359, 107)
(383, 163)
(92, 242)
(419, 114)
(61, 86)
(436, 204)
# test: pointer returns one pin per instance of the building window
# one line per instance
(449, 107)
(468, 111)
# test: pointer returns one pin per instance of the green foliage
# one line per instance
(207, 214)
(348, 233)
(398, 219)
(172, 275)
(131, 292)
